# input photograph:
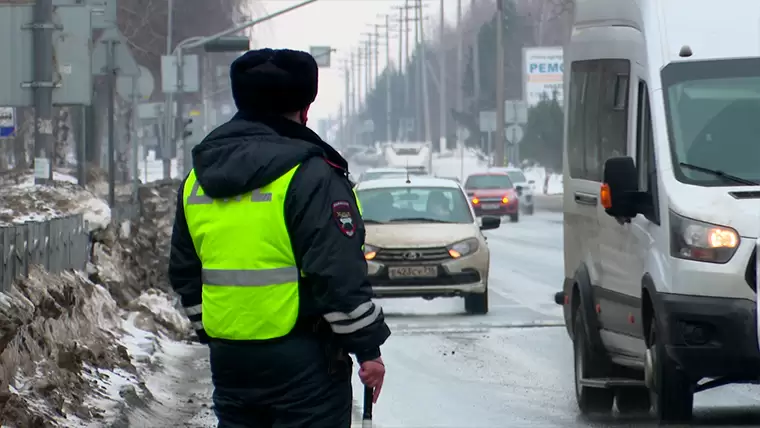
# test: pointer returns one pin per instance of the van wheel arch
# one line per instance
(585, 300)
(648, 296)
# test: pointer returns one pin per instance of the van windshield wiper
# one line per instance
(720, 174)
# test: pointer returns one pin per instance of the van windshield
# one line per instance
(713, 117)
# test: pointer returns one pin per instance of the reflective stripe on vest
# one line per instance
(250, 278)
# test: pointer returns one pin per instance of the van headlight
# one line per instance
(463, 248)
(695, 240)
(370, 252)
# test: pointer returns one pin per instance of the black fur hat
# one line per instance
(274, 81)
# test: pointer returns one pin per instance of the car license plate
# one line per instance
(412, 272)
(491, 206)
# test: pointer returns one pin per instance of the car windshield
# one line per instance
(374, 175)
(713, 115)
(517, 176)
(415, 204)
(491, 181)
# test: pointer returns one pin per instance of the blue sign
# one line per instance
(546, 68)
(7, 122)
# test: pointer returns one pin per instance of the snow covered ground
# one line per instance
(87, 349)
(23, 201)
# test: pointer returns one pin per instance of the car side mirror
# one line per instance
(531, 181)
(519, 190)
(489, 223)
(619, 193)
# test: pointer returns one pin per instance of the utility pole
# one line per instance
(460, 90)
(345, 110)
(442, 84)
(476, 67)
(388, 72)
(423, 74)
(405, 55)
(500, 125)
(169, 107)
(43, 90)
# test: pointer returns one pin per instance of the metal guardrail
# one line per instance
(57, 244)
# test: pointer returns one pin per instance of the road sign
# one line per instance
(321, 54)
(125, 63)
(103, 11)
(488, 121)
(516, 111)
(7, 122)
(515, 134)
(145, 85)
(190, 80)
(71, 55)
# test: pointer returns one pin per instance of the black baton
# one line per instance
(367, 414)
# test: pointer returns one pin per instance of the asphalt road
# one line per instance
(510, 368)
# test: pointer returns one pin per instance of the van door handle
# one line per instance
(585, 199)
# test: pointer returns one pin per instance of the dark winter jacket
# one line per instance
(249, 152)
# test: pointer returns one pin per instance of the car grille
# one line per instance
(423, 255)
(751, 274)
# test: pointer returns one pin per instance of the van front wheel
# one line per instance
(589, 365)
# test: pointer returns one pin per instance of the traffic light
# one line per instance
(228, 44)
(186, 130)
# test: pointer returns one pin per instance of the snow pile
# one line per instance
(23, 201)
(76, 349)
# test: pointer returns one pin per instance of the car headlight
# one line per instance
(695, 240)
(370, 252)
(463, 248)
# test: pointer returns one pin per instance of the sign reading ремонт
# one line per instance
(543, 70)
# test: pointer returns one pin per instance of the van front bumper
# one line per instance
(710, 336)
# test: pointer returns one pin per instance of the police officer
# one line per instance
(267, 256)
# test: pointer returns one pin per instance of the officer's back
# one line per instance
(267, 257)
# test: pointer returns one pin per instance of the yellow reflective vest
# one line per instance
(250, 277)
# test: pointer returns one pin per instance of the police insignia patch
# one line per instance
(344, 217)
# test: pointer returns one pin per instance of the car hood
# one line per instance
(416, 235)
(716, 205)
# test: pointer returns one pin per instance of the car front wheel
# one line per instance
(476, 303)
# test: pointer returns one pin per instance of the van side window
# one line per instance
(645, 156)
(591, 110)
(575, 149)
(583, 130)
(613, 112)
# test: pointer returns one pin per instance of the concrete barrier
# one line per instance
(551, 203)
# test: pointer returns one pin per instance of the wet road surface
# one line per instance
(510, 368)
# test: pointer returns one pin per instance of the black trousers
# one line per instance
(293, 382)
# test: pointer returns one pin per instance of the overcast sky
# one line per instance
(336, 23)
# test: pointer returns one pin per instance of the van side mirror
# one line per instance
(489, 223)
(519, 190)
(620, 194)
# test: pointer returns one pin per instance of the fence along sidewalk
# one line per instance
(57, 245)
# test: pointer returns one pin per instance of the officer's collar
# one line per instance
(291, 129)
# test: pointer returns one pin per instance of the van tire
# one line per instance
(589, 364)
(673, 391)
(530, 209)
(514, 218)
(633, 400)
(476, 303)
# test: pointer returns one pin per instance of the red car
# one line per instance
(493, 194)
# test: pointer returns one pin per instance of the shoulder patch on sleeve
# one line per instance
(343, 214)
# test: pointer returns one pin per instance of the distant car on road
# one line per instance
(493, 193)
(524, 187)
(423, 240)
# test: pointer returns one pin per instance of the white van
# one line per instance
(661, 201)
